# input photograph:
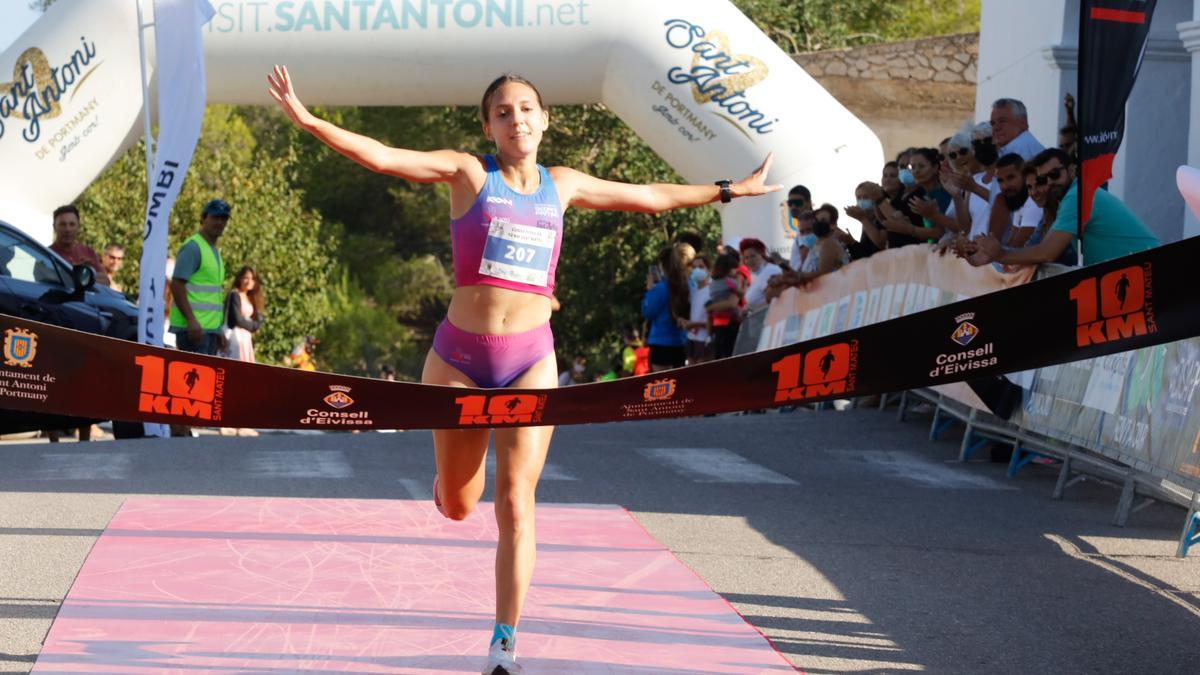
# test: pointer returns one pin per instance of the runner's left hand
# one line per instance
(753, 185)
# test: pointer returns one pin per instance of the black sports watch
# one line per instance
(726, 193)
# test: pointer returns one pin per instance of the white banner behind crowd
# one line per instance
(181, 99)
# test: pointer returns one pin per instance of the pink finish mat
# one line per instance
(332, 586)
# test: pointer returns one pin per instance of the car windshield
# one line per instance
(24, 261)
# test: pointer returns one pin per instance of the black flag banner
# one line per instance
(1112, 41)
(1137, 301)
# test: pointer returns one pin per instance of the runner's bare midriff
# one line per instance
(490, 310)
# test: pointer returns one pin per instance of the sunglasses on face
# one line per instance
(796, 202)
(1052, 174)
(955, 154)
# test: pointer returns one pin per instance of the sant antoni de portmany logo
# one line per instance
(659, 390)
(20, 347)
(38, 89)
(718, 76)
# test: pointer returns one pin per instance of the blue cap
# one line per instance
(216, 207)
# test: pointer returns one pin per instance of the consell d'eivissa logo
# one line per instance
(718, 75)
(37, 88)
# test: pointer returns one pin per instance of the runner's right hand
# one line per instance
(281, 90)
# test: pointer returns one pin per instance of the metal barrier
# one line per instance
(1131, 418)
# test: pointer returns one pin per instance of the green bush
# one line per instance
(362, 336)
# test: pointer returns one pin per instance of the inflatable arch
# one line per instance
(696, 79)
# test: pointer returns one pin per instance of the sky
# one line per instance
(15, 18)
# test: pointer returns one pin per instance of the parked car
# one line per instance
(38, 284)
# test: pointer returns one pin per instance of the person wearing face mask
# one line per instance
(696, 325)
(905, 226)
(577, 374)
(804, 241)
(828, 255)
(907, 180)
(874, 236)
(799, 201)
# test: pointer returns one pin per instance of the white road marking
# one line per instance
(715, 465)
(298, 464)
(418, 490)
(92, 466)
(550, 471)
(925, 472)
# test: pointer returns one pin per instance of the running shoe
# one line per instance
(501, 661)
(437, 502)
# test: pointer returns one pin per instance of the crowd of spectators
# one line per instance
(990, 193)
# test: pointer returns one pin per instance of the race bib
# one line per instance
(516, 252)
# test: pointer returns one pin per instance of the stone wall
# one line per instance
(912, 93)
(949, 58)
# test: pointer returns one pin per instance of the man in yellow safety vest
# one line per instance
(197, 285)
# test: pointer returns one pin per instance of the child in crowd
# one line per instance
(725, 293)
(635, 358)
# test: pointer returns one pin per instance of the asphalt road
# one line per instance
(849, 539)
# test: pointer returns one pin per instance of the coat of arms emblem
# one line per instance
(20, 347)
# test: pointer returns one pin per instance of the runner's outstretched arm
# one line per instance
(579, 189)
(439, 166)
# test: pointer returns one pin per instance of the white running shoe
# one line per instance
(501, 662)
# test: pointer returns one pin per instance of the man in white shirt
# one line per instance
(1010, 129)
(754, 255)
(1017, 215)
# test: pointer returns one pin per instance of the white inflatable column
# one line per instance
(713, 95)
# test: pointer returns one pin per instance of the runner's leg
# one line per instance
(520, 455)
(460, 453)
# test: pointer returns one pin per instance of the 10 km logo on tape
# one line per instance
(1119, 306)
(824, 371)
(180, 388)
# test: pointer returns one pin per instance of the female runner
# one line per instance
(506, 231)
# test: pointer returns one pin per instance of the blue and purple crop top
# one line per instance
(509, 239)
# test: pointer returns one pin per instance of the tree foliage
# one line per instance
(363, 335)
(813, 25)
(270, 228)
